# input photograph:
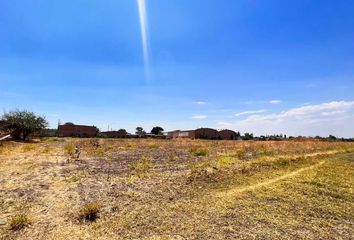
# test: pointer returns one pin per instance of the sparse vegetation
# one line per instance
(153, 145)
(89, 212)
(171, 156)
(19, 222)
(69, 149)
(142, 166)
(263, 187)
(224, 161)
(199, 152)
(29, 147)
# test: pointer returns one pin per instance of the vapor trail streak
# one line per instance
(144, 36)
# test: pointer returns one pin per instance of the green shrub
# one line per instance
(199, 152)
(18, 222)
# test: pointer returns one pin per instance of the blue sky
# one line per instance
(250, 65)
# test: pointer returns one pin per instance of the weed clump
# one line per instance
(199, 152)
(224, 161)
(89, 212)
(202, 172)
(70, 149)
(29, 147)
(99, 152)
(19, 222)
(153, 146)
(171, 157)
(142, 167)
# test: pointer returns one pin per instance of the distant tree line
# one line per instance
(23, 124)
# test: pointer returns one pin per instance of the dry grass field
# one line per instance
(176, 189)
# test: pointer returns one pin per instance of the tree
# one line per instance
(140, 131)
(24, 123)
(248, 136)
(331, 137)
(157, 130)
(122, 131)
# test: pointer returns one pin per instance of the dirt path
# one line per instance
(232, 192)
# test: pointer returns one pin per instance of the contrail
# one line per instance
(144, 36)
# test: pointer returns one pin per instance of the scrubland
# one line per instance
(176, 189)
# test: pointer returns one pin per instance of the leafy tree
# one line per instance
(157, 130)
(24, 123)
(331, 137)
(248, 136)
(122, 131)
(140, 131)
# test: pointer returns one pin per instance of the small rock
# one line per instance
(2, 222)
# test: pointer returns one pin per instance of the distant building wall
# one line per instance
(181, 134)
(72, 130)
(227, 135)
(114, 134)
(206, 133)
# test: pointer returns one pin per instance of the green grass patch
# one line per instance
(224, 161)
(199, 152)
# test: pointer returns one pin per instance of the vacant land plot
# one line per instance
(176, 189)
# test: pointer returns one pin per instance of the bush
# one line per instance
(24, 123)
(240, 153)
(29, 148)
(143, 166)
(89, 212)
(18, 222)
(70, 149)
(224, 161)
(171, 157)
(153, 145)
(199, 152)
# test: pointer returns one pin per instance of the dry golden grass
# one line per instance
(19, 222)
(177, 189)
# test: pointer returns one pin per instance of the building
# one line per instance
(72, 130)
(115, 134)
(206, 133)
(227, 134)
(200, 133)
(181, 134)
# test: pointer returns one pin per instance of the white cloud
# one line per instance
(225, 124)
(200, 102)
(249, 112)
(275, 101)
(335, 117)
(199, 117)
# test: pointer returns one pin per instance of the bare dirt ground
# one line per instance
(177, 189)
